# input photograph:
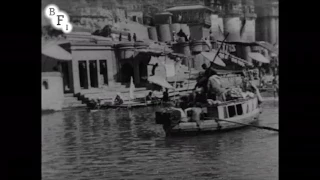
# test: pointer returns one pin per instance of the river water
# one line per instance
(127, 144)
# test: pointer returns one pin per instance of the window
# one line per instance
(239, 109)
(45, 84)
(225, 112)
(232, 111)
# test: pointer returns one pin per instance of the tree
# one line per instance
(50, 32)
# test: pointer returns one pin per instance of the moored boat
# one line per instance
(225, 116)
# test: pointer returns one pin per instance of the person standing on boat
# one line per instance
(202, 79)
(207, 74)
(120, 37)
(129, 37)
(134, 37)
(257, 92)
(154, 66)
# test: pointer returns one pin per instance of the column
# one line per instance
(277, 30)
(98, 74)
(136, 71)
(272, 31)
(113, 66)
(88, 74)
(265, 29)
(76, 79)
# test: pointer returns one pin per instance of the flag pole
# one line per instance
(175, 83)
(220, 47)
(189, 77)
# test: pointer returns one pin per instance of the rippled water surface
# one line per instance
(127, 144)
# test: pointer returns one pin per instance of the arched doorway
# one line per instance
(126, 72)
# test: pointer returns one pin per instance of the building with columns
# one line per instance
(267, 21)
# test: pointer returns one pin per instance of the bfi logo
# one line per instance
(59, 19)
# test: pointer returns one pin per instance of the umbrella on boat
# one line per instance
(54, 50)
(258, 57)
(160, 81)
(210, 56)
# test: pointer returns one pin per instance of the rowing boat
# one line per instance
(238, 113)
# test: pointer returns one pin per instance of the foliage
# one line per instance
(49, 32)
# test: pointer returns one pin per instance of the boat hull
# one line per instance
(210, 126)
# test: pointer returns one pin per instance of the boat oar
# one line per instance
(260, 127)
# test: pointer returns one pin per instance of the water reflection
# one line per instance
(126, 144)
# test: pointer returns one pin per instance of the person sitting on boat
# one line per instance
(183, 102)
(200, 96)
(184, 117)
(195, 113)
(93, 104)
(165, 97)
(256, 91)
(118, 100)
(191, 98)
(234, 93)
(149, 96)
(215, 88)
(212, 102)
(275, 84)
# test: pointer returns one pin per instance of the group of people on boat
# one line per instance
(210, 92)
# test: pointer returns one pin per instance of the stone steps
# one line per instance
(140, 93)
(71, 102)
(68, 95)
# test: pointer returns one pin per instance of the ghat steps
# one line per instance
(71, 102)
(107, 93)
(140, 93)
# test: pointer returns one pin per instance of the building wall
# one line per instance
(196, 32)
(164, 32)
(217, 27)
(91, 54)
(90, 14)
(137, 15)
(232, 25)
(268, 29)
(52, 97)
(206, 32)
(249, 33)
(140, 30)
(199, 59)
(267, 25)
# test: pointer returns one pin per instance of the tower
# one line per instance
(231, 20)
(267, 21)
(248, 21)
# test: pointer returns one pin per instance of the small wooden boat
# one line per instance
(244, 111)
(93, 110)
(134, 105)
